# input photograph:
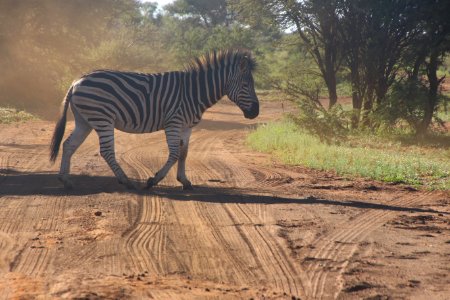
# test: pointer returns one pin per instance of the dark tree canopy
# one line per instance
(208, 13)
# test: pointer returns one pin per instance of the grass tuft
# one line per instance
(292, 146)
(11, 115)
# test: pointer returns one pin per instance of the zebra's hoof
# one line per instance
(150, 182)
(187, 187)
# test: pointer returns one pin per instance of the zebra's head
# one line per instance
(240, 87)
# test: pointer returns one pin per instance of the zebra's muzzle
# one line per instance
(252, 112)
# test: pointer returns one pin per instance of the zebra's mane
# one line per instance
(213, 59)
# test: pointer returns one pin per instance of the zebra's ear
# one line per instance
(244, 64)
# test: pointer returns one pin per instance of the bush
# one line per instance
(11, 115)
(405, 105)
(330, 126)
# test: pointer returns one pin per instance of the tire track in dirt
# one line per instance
(342, 244)
(6, 248)
(226, 239)
(291, 275)
(271, 258)
(145, 239)
(44, 214)
(31, 259)
(267, 178)
(338, 244)
(202, 145)
(272, 266)
(211, 215)
(275, 264)
(210, 218)
(27, 158)
(189, 213)
(44, 217)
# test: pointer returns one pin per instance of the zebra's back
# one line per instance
(131, 102)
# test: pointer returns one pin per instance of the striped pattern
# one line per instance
(105, 100)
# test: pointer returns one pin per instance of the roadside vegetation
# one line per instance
(385, 159)
(11, 115)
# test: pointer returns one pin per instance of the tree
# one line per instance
(193, 27)
(379, 42)
(376, 34)
(434, 43)
(208, 13)
(315, 23)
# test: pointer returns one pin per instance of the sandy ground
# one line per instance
(252, 228)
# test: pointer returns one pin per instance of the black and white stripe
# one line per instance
(105, 100)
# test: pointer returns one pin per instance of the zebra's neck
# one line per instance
(203, 88)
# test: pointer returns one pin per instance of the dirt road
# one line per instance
(250, 229)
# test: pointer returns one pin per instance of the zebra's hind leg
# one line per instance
(71, 144)
(173, 141)
(106, 138)
(181, 172)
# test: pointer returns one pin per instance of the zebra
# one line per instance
(175, 101)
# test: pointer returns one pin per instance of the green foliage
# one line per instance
(188, 40)
(208, 13)
(444, 69)
(296, 147)
(344, 88)
(289, 64)
(405, 105)
(194, 27)
(330, 126)
(293, 72)
(12, 115)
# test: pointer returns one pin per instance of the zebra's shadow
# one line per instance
(17, 183)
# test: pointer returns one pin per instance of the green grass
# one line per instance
(11, 115)
(292, 146)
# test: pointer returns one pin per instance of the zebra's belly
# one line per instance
(132, 129)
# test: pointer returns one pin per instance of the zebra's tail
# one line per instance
(60, 128)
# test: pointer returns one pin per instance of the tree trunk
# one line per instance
(418, 62)
(356, 114)
(381, 91)
(430, 104)
(332, 91)
(330, 56)
(328, 60)
(356, 98)
(368, 105)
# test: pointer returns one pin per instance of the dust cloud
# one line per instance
(46, 44)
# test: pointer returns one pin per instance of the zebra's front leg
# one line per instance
(106, 137)
(173, 141)
(181, 172)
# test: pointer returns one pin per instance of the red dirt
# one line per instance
(252, 228)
